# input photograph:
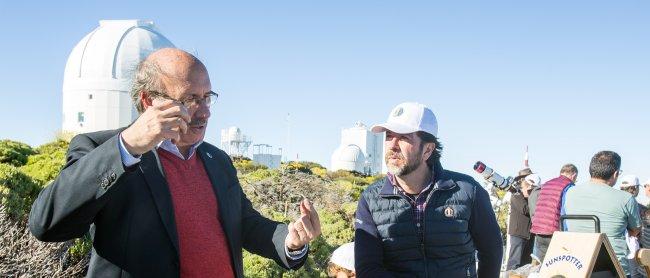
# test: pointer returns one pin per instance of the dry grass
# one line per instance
(22, 255)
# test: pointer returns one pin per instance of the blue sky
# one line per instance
(566, 78)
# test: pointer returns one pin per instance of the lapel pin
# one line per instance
(209, 155)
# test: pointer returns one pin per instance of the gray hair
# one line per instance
(147, 79)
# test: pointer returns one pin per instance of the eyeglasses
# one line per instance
(208, 99)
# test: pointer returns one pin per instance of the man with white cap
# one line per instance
(630, 184)
(422, 220)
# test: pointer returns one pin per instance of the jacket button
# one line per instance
(104, 183)
(112, 176)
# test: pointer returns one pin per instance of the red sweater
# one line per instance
(202, 243)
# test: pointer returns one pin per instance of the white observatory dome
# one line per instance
(99, 74)
(349, 158)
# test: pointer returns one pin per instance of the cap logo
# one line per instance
(398, 112)
(449, 212)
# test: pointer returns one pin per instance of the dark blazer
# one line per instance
(129, 211)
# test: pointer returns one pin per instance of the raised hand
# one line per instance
(305, 229)
(165, 119)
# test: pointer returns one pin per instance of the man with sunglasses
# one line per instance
(156, 199)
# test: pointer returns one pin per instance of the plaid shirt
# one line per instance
(417, 201)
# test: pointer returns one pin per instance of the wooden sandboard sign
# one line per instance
(579, 255)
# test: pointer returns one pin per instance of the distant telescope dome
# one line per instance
(99, 74)
(360, 150)
(349, 158)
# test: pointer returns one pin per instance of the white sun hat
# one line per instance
(409, 117)
(533, 179)
(344, 256)
(629, 180)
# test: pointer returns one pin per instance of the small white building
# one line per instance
(234, 142)
(262, 154)
(99, 74)
(360, 150)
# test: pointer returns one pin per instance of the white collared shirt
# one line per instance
(129, 160)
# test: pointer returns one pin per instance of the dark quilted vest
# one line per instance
(447, 249)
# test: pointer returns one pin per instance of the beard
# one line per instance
(403, 167)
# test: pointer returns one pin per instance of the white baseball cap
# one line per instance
(344, 256)
(629, 180)
(533, 179)
(647, 182)
(409, 117)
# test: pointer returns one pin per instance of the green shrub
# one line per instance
(14, 153)
(81, 247)
(44, 166)
(17, 191)
(260, 175)
(354, 177)
(294, 166)
(259, 267)
(318, 171)
(244, 165)
(309, 164)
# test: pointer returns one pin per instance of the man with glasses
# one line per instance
(617, 210)
(156, 199)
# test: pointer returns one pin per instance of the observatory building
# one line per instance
(360, 150)
(263, 154)
(234, 142)
(99, 74)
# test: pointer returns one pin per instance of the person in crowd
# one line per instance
(157, 200)
(630, 184)
(535, 187)
(547, 209)
(519, 244)
(341, 263)
(422, 220)
(617, 210)
(646, 188)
